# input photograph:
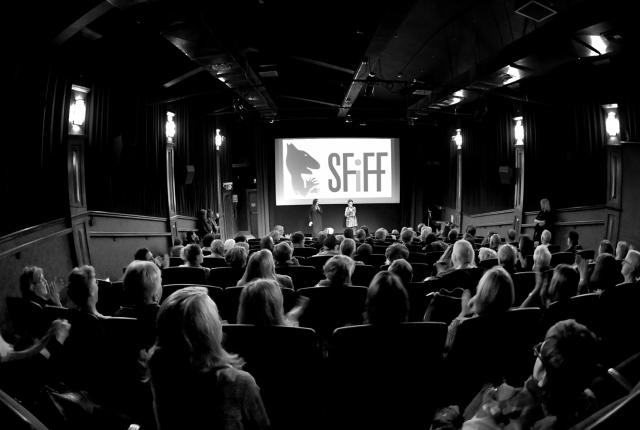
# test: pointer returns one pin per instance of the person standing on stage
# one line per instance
(350, 215)
(315, 217)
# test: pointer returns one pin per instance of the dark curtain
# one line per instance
(565, 155)
(125, 157)
(487, 145)
(629, 114)
(33, 181)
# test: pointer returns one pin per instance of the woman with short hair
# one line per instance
(194, 380)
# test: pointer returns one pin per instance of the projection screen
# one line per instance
(334, 170)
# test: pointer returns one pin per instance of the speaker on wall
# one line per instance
(506, 174)
(188, 175)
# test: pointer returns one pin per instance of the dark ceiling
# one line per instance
(359, 61)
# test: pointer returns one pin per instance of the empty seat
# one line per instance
(175, 261)
(523, 284)
(562, 258)
(214, 292)
(363, 274)
(417, 257)
(183, 275)
(500, 345)
(332, 307)
(304, 252)
(285, 363)
(421, 271)
(110, 297)
(375, 260)
(225, 276)
(371, 392)
(212, 262)
(302, 276)
(417, 293)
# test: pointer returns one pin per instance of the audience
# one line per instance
(470, 234)
(176, 249)
(283, 255)
(573, 240)
(403, 270)
(143, 254)
(396, 251)
(194, 379)
(495, 242)
(338, 270)
(622, 248)
(193, 257)
(236, 257)
(607, 273)
(230, 244)
(363, 252)
(330, 246)
(541, 259)
(387, 300)
(297, 239)
(487, 254)
(261, 266)
(262, 304)
(511, 237)
(562, 286)
(507, 257)
(34, 287)
(631, 267)
(206, 243)
(217, 249)
(545, 238)
(605, 247)
(82, 289)
(525, 249)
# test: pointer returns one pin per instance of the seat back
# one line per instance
(225, 276)
(305, 252)
(618, 311)
(332, 307)
(375, 260)
(562, 258)
(586, 254)
(212, 262)
(183, 275)
(488, 263)
(441, 307)
(285, 364)
(417, 293)
(175, 261)
(370, 391)
(15, 416)
(523, 284)
(421, 271)
(302, 276)
(500, 345)
(317, 261)
(433, 256)
(111, 296)
(380, 249)
(363, 274)
(27, 319)
(417, 257)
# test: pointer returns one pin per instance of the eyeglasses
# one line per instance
(537, 350)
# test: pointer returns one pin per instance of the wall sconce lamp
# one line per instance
(457, 138)
(518, 131)
(170, 127)
(78, 109)
(612, 122)
(218, 139)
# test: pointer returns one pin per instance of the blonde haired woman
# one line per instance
(194, 380)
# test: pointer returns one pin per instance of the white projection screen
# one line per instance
(334, 170)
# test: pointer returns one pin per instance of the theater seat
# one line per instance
(421, 271)
(175, 261)
(433, 256)
(375, 260)
(562, 258)
(14, 416)
(225, 276)
(332, 307)
(302, 276)
(304, 252)
(231, 302)
(285, 362)
(214, 292)
(417, 257)
(441, 308)
(490, 349)
(370, 391)
(417, 292)
(212, 262)
(488, 263)
(363, 274)
(183, 275)
(523, 284)
(317, 261)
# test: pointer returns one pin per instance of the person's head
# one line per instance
(193, 255)
(365, 249)
(511, 235)
(380, 234)
(420, 227)
(545, 205)
(189, 335)
(236, 257)
(453, 235)
(210, 213)
(229, 244)
(243, 245)
(82, 288)
(494, 294)
(260, 265)
(573, 238)
(366, 230)
(430, 238)
(564, 283)
(143, 282)
(541, 258)
(605, 247)
(33, 283)
(396, 251)
(192, 237)
(525, 245)
(402, 269)
(176, 251)
(202, 214)
(407, 236)
(350, 203)
(486, 254)
(495, 241)
(471, 230)
(275, 235)
(297, 238)
(507, 257)
(279, 229)
(631, 266)
(338, 270)
(622, 248)
(360, 235)
(282, 252)
(545, 237)
(143, 254)
(267, 243)
(462, 254)
(387, 300)
(606, 273)
(348, 233)
(347, 247)
(261, 304)
(217, 247)
(207, 240)
(567, 361)
(315, 202)
(240, 238)
(330, 242)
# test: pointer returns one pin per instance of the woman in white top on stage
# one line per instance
(350, 215)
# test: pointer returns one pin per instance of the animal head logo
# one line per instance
(298, 163)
